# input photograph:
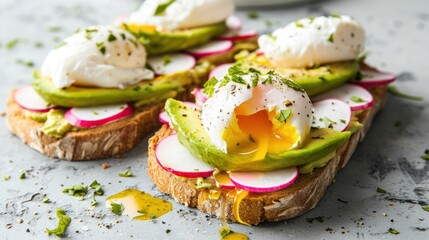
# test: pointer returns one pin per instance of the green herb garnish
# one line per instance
(38, 44)
(298, 24)
(284, 114)
(97, 188)
(166, 60)
(335, 15)
(89, 32)
(46, 200)
(331, 38)
(54, 28)
(101, 47)
(22, 175)
(382, 191)
(12, 43)
(393, 231)
(253, 15)
(168, 231)
(357, 99)
(395, 91)
(63, 223)
(6, 177)
(426, 208)
(127, 173)
(111, 37)
(25, 62)
(209, 86)
(224, 231)
(162, 7)
(93, 201)
(117, 209)
(426, 156)
(153, 215)
(76, 191)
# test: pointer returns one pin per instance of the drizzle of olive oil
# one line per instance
(139, 205)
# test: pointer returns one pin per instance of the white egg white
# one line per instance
(182, 14)
(312, 41)
(98, 56)
(218, 111)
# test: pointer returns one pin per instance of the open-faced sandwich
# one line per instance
(274, 128)
(95, 96)
(205, 29)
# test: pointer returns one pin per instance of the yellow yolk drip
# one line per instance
(140, 205)
(239, 195)
(137, 28)
(222, 178)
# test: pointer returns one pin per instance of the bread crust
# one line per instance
(280, 205)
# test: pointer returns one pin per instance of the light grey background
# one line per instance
(389, 157)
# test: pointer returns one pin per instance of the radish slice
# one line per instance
(239, 35)
(211, 48)
(171, 63)
(165, 119)
(331, 113)
(175, 158)
(264, 181)
(220, 71)
(223, 180)
(357, 97)
(89, 117)
(200, 96)
(233, 23)
(259, 52)
(371, 78)
(30, 100)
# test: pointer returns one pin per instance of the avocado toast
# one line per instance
(268, 151)
(39, 114)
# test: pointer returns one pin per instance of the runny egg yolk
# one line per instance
(138, 27)
(259, 132)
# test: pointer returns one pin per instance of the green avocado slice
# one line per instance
(192, 135)
(146, 89)
(313, 80)
(157, 43)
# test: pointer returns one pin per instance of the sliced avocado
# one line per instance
(192, 135)
(146, 89)
(164, 42)
(313, 80)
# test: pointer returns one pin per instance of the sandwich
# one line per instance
(274, 128)
(205, 29)
(98, 94)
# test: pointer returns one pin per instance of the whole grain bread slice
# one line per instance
(280, 205)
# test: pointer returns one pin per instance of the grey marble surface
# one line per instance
(389, 157)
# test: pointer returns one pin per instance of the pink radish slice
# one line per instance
(331, 113)
(89, 117)
(163, 116)
(211, 48)
(372, 78)
(264, 181)
(239, 35)
(175, 158)
(220, 71)
(357, 97)
(259, 52)
(171, 63)
(200, 96)
(30, 100)
(233, 23)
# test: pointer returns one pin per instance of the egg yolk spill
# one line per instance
(259, 132)
(136, 27)
(140, 205)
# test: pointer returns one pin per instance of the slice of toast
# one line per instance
(280, 205)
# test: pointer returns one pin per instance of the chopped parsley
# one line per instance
(393, 231)
(6, 177)
(38, 44)
(76, 191)
(166, 60)
(127, 173)
(224, 231)
(335, 15)
(357, 99)
(12, 43)
(298, 24)
(253, 15)
(111, 37)
(117, 209)
(168, 231)
(63, 223)
(153, 215)
(25, 62)
(331, 38)
(382, 191)
(89, 32)
(395, 91)
(46, 200)
(97, 188)
(22, 175)
(209, 86)
(426, 156)
(93, 201)
(160, 9)
(101, 47)
(284, 114)
(426, 208)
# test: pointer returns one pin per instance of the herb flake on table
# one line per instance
(393, 231)
(25, 62)
(63, 223)
(6, 177)
(116, 208)
(97, 188)
(382, 191)
(127, 173)
(253, 15)
(46, 200)
(22, 175)
(76, 191)
(426, 155)
(11, 44)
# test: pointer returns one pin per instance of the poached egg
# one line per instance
(98, 56)
(311, 41)
(257, 114)
(169, 15)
